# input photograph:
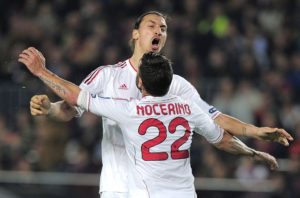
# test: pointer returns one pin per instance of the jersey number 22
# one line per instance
(162, 135)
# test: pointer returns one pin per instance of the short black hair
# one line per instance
(141, 17)
(156, 73)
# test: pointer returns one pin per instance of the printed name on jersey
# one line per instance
(163, 109)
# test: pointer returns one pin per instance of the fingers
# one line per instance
(273, 163)
(283, 141)
(23, 60)
(35, 105)
(285, 134)
(283, 137)
(30, 52)
(25, 56)
(38, 99)
(267, 158)
(276, 135)
(38, 53)
(36, 112)
(39, 102)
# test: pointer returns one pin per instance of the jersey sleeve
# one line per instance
(206, 127)
(181, 87)
(114, 109)
(94, 83)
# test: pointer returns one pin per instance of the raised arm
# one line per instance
(35, 62)
(233, 145)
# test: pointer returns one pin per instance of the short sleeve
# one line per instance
(206, 127)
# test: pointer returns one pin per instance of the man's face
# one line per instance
(151, 35)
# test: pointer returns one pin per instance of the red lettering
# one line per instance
(171, 109)
(187, 109)
(177, 109)
(163, 109)
(181, 108)
(154, 109)
(148, 110)
(140, 110)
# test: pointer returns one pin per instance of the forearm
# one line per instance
(235, 126)
(62, 111)
(233, 145)
(64, 89)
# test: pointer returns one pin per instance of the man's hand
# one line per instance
(266, 158)
(33, 59)
(274, 135)
(40, 105)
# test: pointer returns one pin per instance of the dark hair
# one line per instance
(141, 17)
(139, 20)
(156, 73)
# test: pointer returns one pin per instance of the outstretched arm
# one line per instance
(239, 128)
(40, 105)
(234, 126)
(35, 62)
(233, 145)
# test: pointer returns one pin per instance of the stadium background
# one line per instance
(243, 56)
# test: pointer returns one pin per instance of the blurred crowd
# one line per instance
(243, 56)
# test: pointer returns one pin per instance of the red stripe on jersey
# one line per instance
(121, 64)
(120, 99)
(90, 75)
(93, 77)
(132, 65)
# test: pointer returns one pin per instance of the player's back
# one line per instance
(157, 133)
(158, 136)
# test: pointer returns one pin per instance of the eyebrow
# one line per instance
(151, 21)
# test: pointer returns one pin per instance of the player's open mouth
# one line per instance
(155, 43)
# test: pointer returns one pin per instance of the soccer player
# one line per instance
(157, 129)
(118, 80)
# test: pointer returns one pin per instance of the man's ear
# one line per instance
(135, 34)
(140, 83)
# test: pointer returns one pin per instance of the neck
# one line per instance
(145, 93)
(135, 59)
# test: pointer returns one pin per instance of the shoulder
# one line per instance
(180, 85)
(114, 67)
(104, 72)
(179, 80)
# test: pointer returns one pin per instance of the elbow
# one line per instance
(225, 142)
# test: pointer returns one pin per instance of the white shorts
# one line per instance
(113, 194)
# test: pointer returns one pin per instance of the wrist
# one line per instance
(50, 111)
(251, 131)
(253, 153)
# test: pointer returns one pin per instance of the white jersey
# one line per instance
(158, 133)
(118, 81)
